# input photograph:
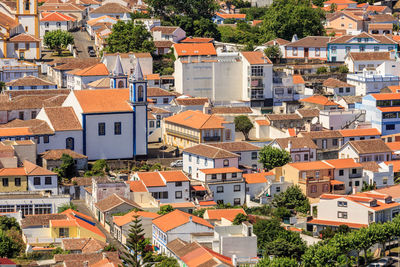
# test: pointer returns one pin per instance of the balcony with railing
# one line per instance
(355, 175)
(312, 179)
(182, 134)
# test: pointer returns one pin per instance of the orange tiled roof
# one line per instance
(386, 96)
(33, 169)
(336, 182)
(220, 170)
(256, 57)
(127, 218)
(197, 40)
(343, 163)
(177, 218)
(195, 49)
(62, 223)
(389, 109)
(394, 146)
(298, 79)
(256, 178)
(396, 165)
(174, 176)
(197, 120)
(180, 205)
(228, 214)
(104, 100)
(208, 203)
(320, 100)
(55, 16)
(95, 70)
(394, 88)
(137, 186)
(154, 76)
(151, 179)
(12, 172)
(17, 131)
(359, 132)
(263, 122)
(313, 165)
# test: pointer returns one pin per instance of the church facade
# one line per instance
(19, 30)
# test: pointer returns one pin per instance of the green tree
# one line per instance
(286, 244)
(272, 157)
(67, 168)
(322, 70)
(7, 223)
(168, 262)
(327, 233)
(2, 86)
(254, 13)
(277, 262)
(99, 168)
(266, 231)
(139, 249)
(343, 229)
(199, 212)
(282, 212)
(128, 37)
(293, 199)
(284, 18)
(67, 206)
(321, 255)
(243, 124)
(273, 52)
(8, 248)
(343, 69)
(319, 3)
(195, 9)
(165, 209)
(206, 28)
(58, 40)
(333, 8)
(239, 218)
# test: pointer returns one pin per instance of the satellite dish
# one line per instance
(314, 120)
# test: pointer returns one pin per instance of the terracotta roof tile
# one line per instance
(151, 179)
(100, 83)
(60, 7)
(231, 16)
(196, 101)
(322, 134)
(157, 92)
(75, 259)
(174, 176)
(29, 81)
(350, 99)
(313, 165)
(164, 29)
(56, 16)
(105, 100)
(257, 178)
(369, 56)
(163, 44)
(63, 119)
(231, 110)
(197, 120)
(382, 18)
(282, 117)
(137, 186)
(296, 142)
(210, 151)
(319, 100)
(95, 70)
(370, 166)
(197, 40)
(381, 39)
(12, 172)
(335, 223)
(262, 122)
(28, 127)
(236, 146)
(359, 132)
(7, 21)
(114, 201)
(24, 37)
(278, 41)
(33, 169)
(308, 113)
(332, 82)
(386, 96)
(40, 220)
(127, 218)
(343, 163)
(311, 41)
(56, 154)
(110, 8)
(190, 49)
(228, 214)
(178, 218)
(370, 146)
(256, 58)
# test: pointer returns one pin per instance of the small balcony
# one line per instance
(212, 138)
(355, 175)
(182, 135)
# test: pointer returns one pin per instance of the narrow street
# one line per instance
(81, 207)
(82, 41)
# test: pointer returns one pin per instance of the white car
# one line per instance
(177, 163)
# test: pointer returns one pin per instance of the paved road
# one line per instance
(81, 207)
(82, 41)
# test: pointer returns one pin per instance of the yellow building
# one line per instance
(13, 180)
(190, 128)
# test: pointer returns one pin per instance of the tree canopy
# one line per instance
(293, 199)
(58, 40)
(243, 124)
(272, 157)
(67, 168)
(239, 218)
(128, 37)
(165, 209)
(284, 18)
(195, 9)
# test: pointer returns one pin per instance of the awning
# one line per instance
(336, 182)
(198, 188)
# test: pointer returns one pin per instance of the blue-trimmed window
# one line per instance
(117, 128)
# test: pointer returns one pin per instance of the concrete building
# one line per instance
(357, 61)
(53, 21)
(244, 76)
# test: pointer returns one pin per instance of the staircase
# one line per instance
(349, 123)
(264, 191)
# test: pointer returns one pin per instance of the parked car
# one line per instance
(177, 163)
(91, 51)
(385, 261)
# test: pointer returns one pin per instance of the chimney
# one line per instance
(290, 145)
(354, 191)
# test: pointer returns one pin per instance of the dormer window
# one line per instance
(373, 203)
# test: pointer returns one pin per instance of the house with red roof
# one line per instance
(355, 211)
(165, 186)
(177, 224)
(219, 17)
(51, 21)
(77, 79)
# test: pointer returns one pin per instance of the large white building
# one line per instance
(244, 76)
